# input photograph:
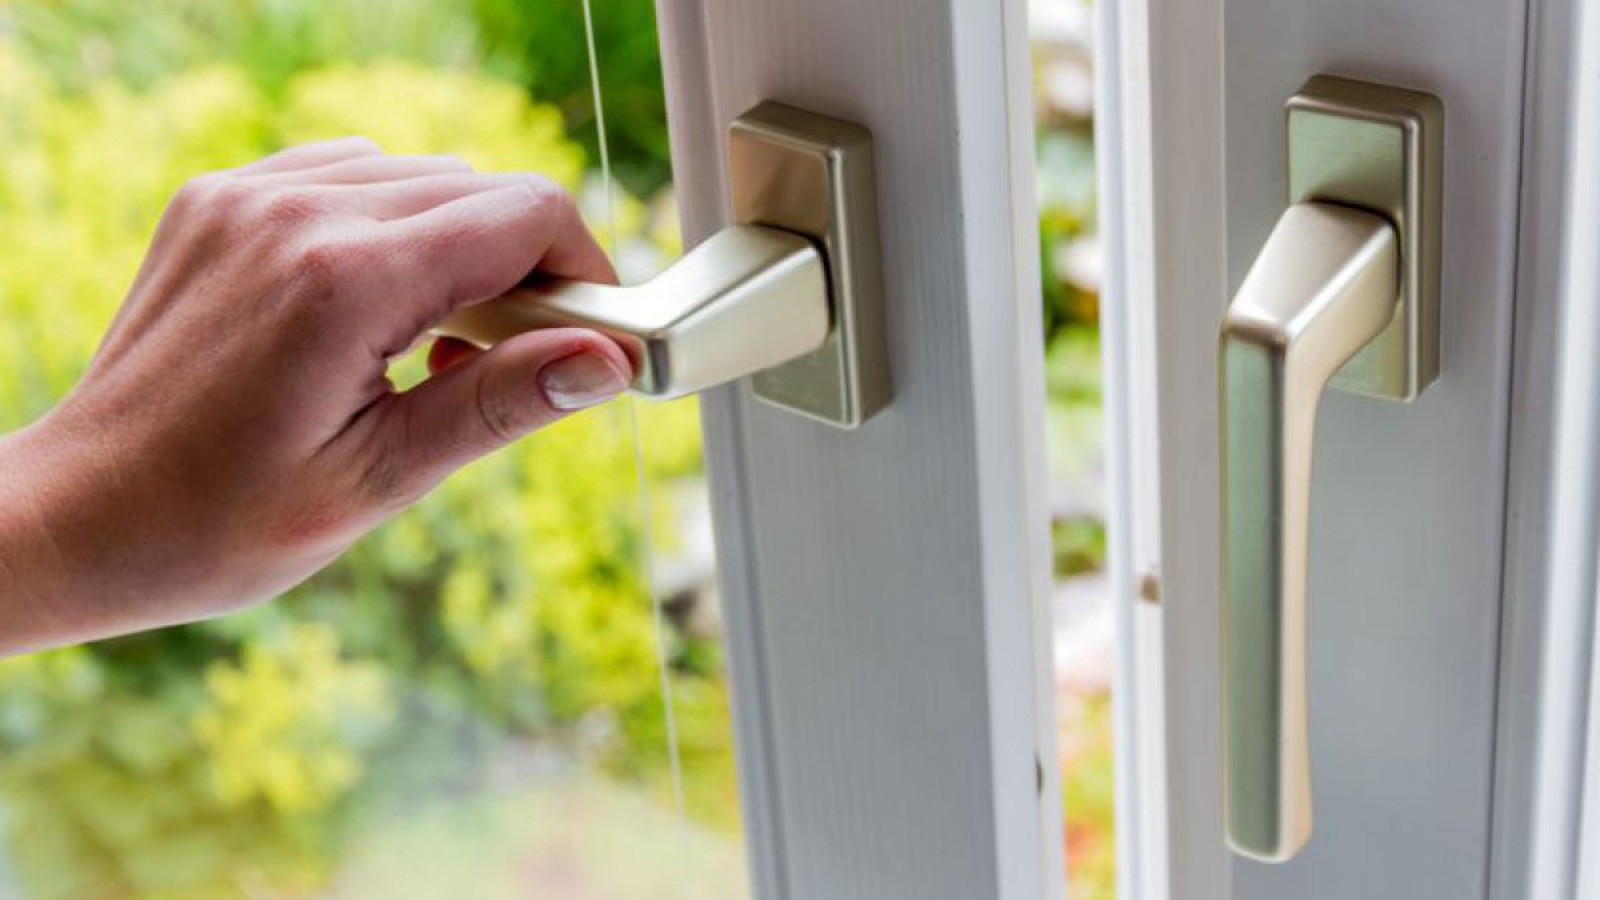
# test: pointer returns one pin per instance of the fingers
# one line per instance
(482, 400)
(480, 245)
(311, 155)
(364, 170)
(411, 196)
(403, 239)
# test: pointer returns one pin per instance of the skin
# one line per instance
(235, 431)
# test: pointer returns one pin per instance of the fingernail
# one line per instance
(581, 380)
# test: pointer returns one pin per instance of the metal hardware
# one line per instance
(1150, 587)
(1322, 288)
(1343, 292)
(746, 298)
(1379, 148)
(791, 294)
(813, 175)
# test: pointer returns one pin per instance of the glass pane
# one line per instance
(469, 702)
(1084, 634)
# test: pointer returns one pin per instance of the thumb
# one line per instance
(492, 398)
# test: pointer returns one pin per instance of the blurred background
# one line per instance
(475, 697)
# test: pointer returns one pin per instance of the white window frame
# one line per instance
(1546, 799)
(837, 803)
(887, 590)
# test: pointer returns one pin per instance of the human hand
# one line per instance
(236, 431)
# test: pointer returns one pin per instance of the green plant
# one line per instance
(1066, 213)
(84, 43)
(198, 761)
(540, 45)
(1088, 790)
(1079, 545)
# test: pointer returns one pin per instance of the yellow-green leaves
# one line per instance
(286, 723)
(409, 109)
(510, 604)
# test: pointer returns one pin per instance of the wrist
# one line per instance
(34, 569)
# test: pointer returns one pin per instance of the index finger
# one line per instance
(305, 156)
(480, 246)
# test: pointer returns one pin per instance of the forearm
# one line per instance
(35, 610)
(89, 546)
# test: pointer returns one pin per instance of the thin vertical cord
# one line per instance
(646, 531)
(600, 132)
(657, 614)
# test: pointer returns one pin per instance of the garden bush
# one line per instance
(219, 757)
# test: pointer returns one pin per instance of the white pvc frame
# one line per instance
(1123, 144)
(891, 660)
(1547, 799)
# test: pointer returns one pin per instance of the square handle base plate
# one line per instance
(812, 174)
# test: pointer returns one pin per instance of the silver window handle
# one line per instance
(1344, 292)
(746, 299)
(791, 294)
(1323, 287)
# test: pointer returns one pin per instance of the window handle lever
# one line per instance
(748, 298)
(1324, 286)
(791, 293)
(1345, 293)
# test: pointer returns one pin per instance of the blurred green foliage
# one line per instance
(1078, 544)
(1073, 425)
(1088, 790)
(538, 45)
(1070, 277)
(1066, 214)
(529, 42)
(226, 757)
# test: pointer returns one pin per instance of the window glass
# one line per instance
(1084, 635)
(469, 702)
